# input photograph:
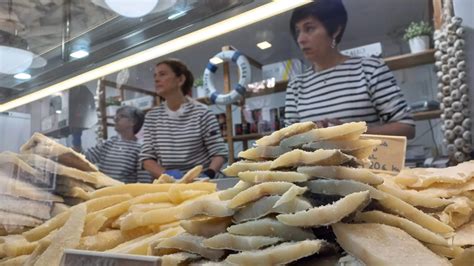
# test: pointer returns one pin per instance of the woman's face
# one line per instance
(312, 38)
(166, 81)
(123, 122)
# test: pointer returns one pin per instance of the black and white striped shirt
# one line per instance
(117, 158)
(359, 89)
(184, 139)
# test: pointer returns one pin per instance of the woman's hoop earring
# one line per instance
(333, 43)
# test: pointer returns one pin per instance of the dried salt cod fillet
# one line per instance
(206, 227)
(280, 254)
(342, 172)
(297, 157)
(144, 207)
(411, 196)
(290, 195)
(238, 242)
(191, 175)
(294, 129)
(233, 191)
(448, 252)
(408, 226)
(389, 202)
(328, 214)
(16, 261)
(50, 166)
(448, 190)
(46, 147)
(256, 192)
(348, 131)
(272, 176)
(140, 247)
(33, 208)
(102, 241)
(9, 218)
(424, 177)
(379, 244)
(178, 258)
(265, 206)
(208, 205)
(271, 227)
(464, 259)
(138, 189)
(164, 179)
(242, 166)
(263, 153)
(342, 188)
(359, 148)
(68, 236)
(190, 243)
(210, 263)
(457, 213)
(464, 235)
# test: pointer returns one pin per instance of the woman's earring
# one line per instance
(333, 43)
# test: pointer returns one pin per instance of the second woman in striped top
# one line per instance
(180, 133)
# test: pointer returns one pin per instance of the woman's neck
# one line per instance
(174, 102)
(329, 60)
(129, 135)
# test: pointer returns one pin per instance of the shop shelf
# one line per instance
(434, 114)
(410, 60)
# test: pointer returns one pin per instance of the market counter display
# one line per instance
(302, 197)
(43, 181)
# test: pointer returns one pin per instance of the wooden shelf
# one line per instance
(244, 137)
(434, 114)
(410, 60)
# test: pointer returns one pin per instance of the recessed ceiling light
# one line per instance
(216, 60)
(177, 15)
(22, 76)
(58, 112)
(79, 54)
(132, 9)
(264, 45)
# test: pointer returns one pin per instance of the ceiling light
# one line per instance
(216, 60)
(22, 76)
(14, 60)
(79, 54)
(132, 9)
(58, 112)
(177, 15)
(236, 22)
(264, 45)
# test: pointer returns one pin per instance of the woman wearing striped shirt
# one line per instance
(117, 157)
(180, 133)
(338, 89)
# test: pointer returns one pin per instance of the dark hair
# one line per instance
(179, 68)
(135, 114)
(331, 13)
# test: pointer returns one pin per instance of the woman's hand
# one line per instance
(153, 168)
(328, 122)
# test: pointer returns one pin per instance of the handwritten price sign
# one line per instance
(390, 155)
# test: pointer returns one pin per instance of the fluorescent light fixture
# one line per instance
(216, 60)
(264, 45)
(132, 9)
(236, 22)
(79, 54)
(58, 112)
(22, 76)
(14, 60)
(177, 15)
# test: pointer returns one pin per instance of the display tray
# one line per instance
(74, 257)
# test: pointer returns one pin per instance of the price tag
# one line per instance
(74, 257)
(388, 156)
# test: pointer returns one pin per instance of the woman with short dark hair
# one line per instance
(181, 133)
(336, 88)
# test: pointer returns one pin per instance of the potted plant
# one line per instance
(418, 36)
(198, 83)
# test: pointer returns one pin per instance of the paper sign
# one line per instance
(388, 156)
(374, 49)
(73, 257)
